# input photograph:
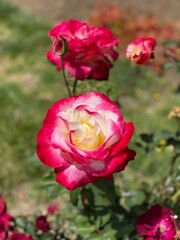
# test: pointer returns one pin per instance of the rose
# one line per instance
(19, 236)
(42, 223)
(141, 50)
(91, 50)
(84, 138)
(156, 223)
(2, 205)
(5, 220)
(52, 209)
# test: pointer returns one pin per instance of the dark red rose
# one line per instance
(2, 205)
(20, 236)
(42, 223)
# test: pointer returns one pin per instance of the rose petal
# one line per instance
(71, 177)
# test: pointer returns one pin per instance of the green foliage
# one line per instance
(104, 210)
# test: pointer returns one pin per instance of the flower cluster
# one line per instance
(85, 137)
(41, 226)
(157, 223)
(6, 223)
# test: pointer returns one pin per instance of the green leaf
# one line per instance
(85, 229)
(93, 236)
(80, 219)
(148, 138)
(54, 191)
(74, 196)
(107, 189)
(136, 198)
(176, 197)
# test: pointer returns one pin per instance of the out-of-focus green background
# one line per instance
(29, 85)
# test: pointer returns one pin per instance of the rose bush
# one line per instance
(141, 50)
(84, 138)
(91, 50)
(157, 223)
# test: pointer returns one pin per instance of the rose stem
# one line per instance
(64, 75)
(74, 86)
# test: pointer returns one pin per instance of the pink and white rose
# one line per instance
(91, 50)
(84, 138)
(141, 50)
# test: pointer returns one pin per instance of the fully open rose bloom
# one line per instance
(84, 138)
(90, 53)
(141, 50)
(157, 224)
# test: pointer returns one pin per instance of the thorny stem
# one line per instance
(64, 75)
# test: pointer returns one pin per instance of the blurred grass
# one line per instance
(27, 89)
(29, 85)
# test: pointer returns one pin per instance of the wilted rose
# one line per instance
(84, 138)
(90, 52)
(157, 223)
(141, 50)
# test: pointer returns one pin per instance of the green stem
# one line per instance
(74, 86)
(173, 163)
(64, 75)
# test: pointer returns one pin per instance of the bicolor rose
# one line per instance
(91, 50)
(157, 223)
(84, 138)
(141, 50)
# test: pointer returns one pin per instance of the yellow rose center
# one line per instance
(87, 135)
